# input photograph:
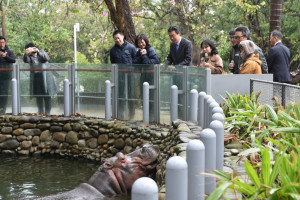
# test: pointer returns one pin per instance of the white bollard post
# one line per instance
(14, 89)
(205, 110)
(208, 137)
(176, 179)
(107, 100)
(211, 106)
(174, 103)
(218, 116)
(66, 97)
(193, 105)
(195, 157)
(146, 103)
(144, 189)
(201, 108)
(218, 127)
(207, 116)
(217, 110)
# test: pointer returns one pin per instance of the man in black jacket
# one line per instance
(123, 53)
(279, 59)
(7, 57)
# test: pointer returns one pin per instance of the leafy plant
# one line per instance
(241, 112)
(277, 179)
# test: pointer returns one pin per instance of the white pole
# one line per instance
(144, 189)
(195, 157)
(107, 100)
(193, 105)
(174, 103)
(76, 29)
(14, 96)
(208, 137)
(218, 127)
(176, 179)
(201, 108)
(146, 103)
(66, 98)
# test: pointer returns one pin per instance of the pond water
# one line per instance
(28, 177)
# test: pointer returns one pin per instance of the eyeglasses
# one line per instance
(231, 37)
(238, 37)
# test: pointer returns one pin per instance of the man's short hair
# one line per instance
(277, 34)
(117, 32)
(245, 31)
(232, 31)
(29, 45)
(174, 28)
(2, 38)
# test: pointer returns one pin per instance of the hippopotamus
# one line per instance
(114, 177)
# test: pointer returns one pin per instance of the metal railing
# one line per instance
(274, 93)
(87, 88)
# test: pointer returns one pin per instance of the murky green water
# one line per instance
(27, 177)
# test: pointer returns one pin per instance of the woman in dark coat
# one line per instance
(146, 55)
(42, 84)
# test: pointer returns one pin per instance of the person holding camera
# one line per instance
(7, 58)
(42, 84)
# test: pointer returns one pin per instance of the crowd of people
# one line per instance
(245, 58)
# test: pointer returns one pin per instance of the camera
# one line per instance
(33, 49)
(2, 50)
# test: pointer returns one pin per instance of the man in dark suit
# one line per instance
(180, 54)
(180, 48)
(279, 59)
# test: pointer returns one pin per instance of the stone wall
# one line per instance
(92, 138)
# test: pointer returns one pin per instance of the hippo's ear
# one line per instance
(108, 165)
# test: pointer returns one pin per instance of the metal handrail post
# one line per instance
(71, 77)
(16, 75)
(185, 93)
(283, 95)
(114, 84)
(156, 93)
(251, 86)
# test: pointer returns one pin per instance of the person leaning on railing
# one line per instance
(122, 52)
(42, 84)
(210, 58)
(146, 55)
(7, 57)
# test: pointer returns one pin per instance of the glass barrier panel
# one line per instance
(170, 75)
(130, 91)
(90, 97)
(5, 88)
(41, 87)
(196, 79)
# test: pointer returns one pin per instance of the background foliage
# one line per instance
(49, 24)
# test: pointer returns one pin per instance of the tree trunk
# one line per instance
(275, 16)
(120, 15)
(2, 19)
